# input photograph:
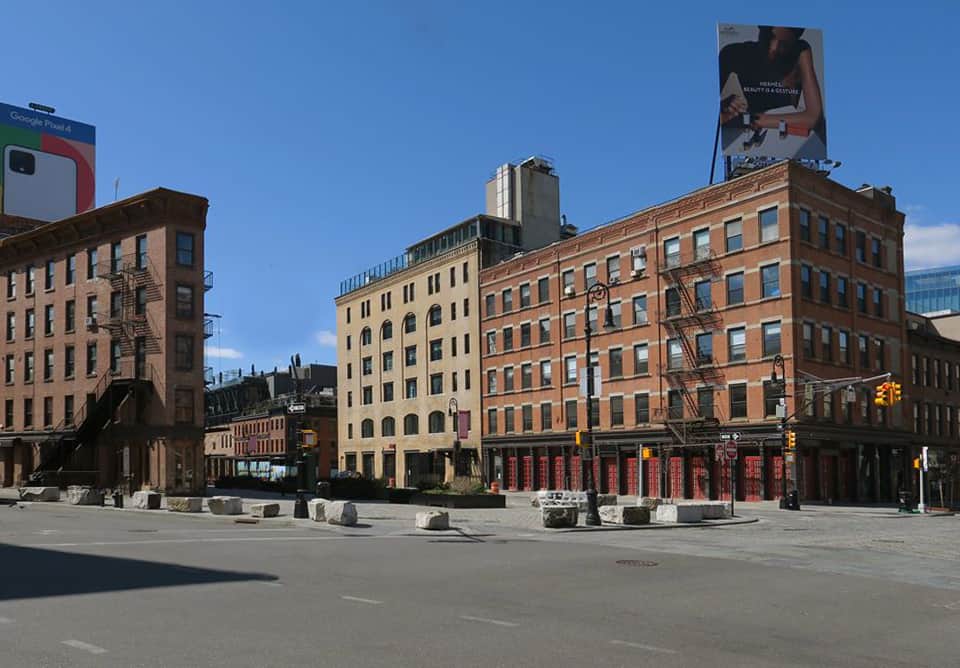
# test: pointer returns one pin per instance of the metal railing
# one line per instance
(375, 273)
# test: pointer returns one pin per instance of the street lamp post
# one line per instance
(300, 506)
(595, 293)
(453, 408)
(779, 363)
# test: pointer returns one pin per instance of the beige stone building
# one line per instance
(408, 366)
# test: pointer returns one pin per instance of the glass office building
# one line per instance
(933, 290)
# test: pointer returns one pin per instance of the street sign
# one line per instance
(308, 437)
(296, 409)
(735, 435)
(731, 451)
(732, 436)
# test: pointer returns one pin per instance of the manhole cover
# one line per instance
(640, 563)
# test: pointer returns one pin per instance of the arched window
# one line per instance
(435, 316)
(366, 428)
(365, 336)
(410, 324)
(436, 422)
(386, 330)
(411, 424)
(388, 427)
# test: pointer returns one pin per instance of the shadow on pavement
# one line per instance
(30, 572)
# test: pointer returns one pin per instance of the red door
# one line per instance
(632, 481)
(810, 491)
(651, 477)
(527, 472)
(676, 477)
(558, 481)
(576, 473)
(775, 478)
(751, 478)
(844, 468)
(828, 472)
(512, 472)
(721, 470)
(610, 469)
(699, 480)
(543, 472)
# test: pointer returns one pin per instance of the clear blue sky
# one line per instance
(328, 136)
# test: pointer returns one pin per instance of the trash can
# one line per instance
(118, 499)
(323, 490)
(793, 500)
(906, 501)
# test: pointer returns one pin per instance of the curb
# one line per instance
(648, 527)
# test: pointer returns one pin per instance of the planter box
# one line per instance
(460, 500)
(401, 494)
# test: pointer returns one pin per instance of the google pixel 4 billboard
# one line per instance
(771, 92)
(48, 164)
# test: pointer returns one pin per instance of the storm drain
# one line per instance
(637, 563)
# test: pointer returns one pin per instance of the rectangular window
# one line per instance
(453, 346)
(388, 391)
(738, 400)
(824, 287)
(569, 325)
(881, 357)
(453, 277)
(11, 326)
(674, 405)
(616, 362)
(491, 381)
(616, 411)
(705, 402)
(878, 302)
(453, 309)
(184, 249)
(140, 301)
(546, 373)
(506, 297)
(674, 354)
(567, 277)
(640, 310)
(524, 295)
(543, 290)
(864, 348)
(525, 341)
(544, 329)
(141, 246)
(862, 297)
(705, 348)
(183, 405)
(526, 376)
(49, 274)
(69, 362)
(526, 417)
(366, 396)
(9, 369)
(806, 281)
(672, 297)
(116, 304)
(30, 274)
(28, 367)
(823, 232)
(115, 353)
(589, 275)
(184, 307)
(875, 247)
(616, 313)
(48, 364)
(491, 343)
(861, 252)
(91, 358)
(410, 356)
(490, 305)
(30, 324)
(808, 350)
(804, 225)
(771, 339)
(840, 238)
(702, 294)
(466, 272)
(842, 292)
(70, 276)
(737, 344)
(546, 417)
(436, 350)
(491, 420)
(48, 320)
(769, 227)
(507, 339)
(11, 285)
(641, 404)
(387, 362)
(8, 413)
(701, 244)
(508, 379)
(116, 257)
(91, 263)
(570, 411)
(570, 369)
(826, 343)
(770, 278)
(771, 398)
(735, 288)
(641, 359)
(613, 269)
(410, 388)
(366, 366)
(183, 352)
(508, 419)
(638, 260)
(68, 409)
(671, 252)
(28, 413)
(436, 383)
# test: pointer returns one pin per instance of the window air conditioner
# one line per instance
(569, 291)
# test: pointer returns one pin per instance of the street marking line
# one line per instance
(87, 647)
(485, 620)
(362, 600)
(6, 620)
(649, 648)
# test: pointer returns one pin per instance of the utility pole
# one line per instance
(300, 505)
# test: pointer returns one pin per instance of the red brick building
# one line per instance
(101, 345)
(706, 290)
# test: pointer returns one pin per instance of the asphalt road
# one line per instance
(97, 587)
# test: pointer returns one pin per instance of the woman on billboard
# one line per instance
(771, 84)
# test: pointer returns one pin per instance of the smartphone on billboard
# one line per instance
(38, 185)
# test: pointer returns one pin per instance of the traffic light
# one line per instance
(578, 438)
(896, 393)
(882, 397)
(916, 462)
(791, 440)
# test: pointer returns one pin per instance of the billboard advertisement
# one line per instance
(48, 164)
(771, 92)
